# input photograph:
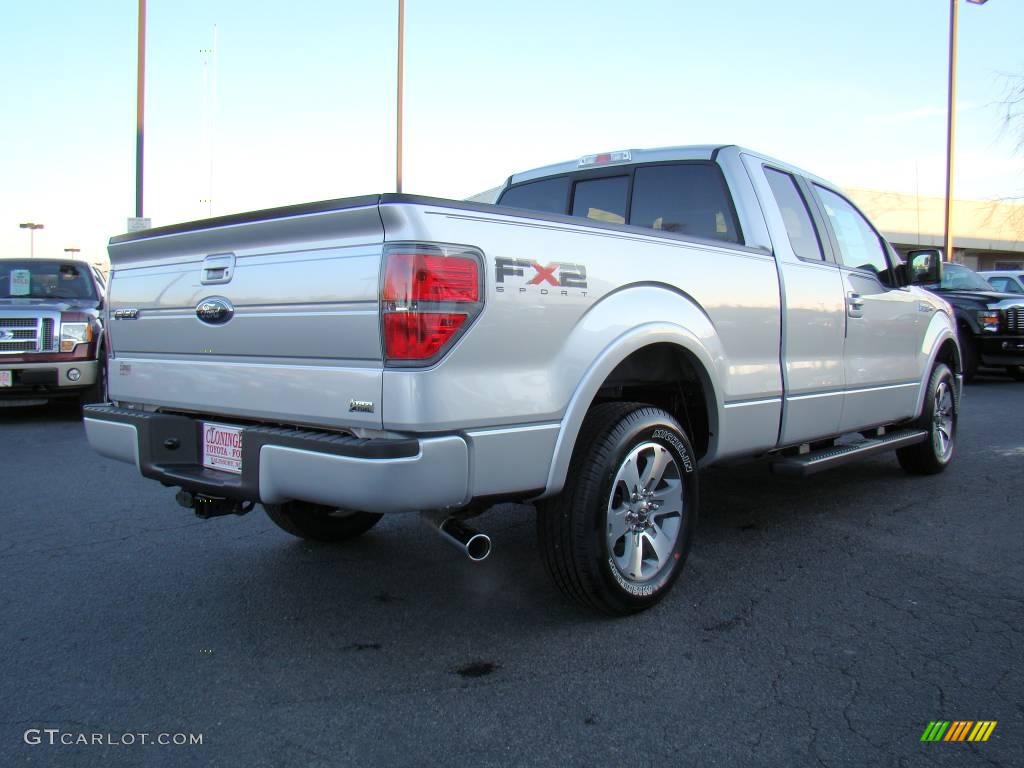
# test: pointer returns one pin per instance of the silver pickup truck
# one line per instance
(609, 327)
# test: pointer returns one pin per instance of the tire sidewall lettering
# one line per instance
(636, 590)
(669, 436)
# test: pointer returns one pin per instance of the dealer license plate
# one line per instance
(6, 379)
(222, 447)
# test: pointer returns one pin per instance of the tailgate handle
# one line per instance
(218, 268)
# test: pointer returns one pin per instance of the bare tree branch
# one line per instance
(1013, 105)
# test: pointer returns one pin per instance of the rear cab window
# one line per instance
(546, 195)
(686, 198)
(602, 199)
(796, 216)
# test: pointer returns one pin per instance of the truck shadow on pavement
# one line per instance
(57, 412)
(402, 578)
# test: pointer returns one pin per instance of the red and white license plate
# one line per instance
(222, 447)
(6, 379)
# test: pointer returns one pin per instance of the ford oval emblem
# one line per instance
(215, 310)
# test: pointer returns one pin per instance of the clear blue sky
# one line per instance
(304, 106)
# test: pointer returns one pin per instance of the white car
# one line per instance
(1006, 280)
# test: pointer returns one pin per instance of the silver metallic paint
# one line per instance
(756, 323)
(437, 477)
(113, 439)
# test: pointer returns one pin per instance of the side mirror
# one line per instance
(925, 266)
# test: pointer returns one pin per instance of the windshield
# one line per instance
(38, 279)
(956, 277)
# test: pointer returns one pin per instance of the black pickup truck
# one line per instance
(990, 323)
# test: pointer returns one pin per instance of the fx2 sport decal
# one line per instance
(523, 273)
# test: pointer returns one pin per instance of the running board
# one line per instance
(816, 461)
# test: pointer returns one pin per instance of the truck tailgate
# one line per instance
(270, 316)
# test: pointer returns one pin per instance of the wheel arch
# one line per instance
(659, 350)
(941, 341)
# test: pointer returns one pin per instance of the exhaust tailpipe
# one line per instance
(475, 545)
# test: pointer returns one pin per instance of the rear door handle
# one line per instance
(854, 305)
(218, 268)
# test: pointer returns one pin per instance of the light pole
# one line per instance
(951, 124)
(31, 226)
(140, 107)
(72, 252)
(401, 67)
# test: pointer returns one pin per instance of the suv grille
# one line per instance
(1015, 319)
(26, 334)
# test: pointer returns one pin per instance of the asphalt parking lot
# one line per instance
(820, 622)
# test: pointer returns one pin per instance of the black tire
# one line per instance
(97, 392)
(940, 416)
(575, 529)
(969, 354)
(1016, 371)
(319, 523)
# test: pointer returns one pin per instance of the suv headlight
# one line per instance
(72, 334)
(988, 319)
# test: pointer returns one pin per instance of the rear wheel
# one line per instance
(617, 537)
(940, 419)
(1016, 371)
(319, 523)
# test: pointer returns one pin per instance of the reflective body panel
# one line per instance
(277, 318)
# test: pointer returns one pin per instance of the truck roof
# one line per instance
(46, 260)
(653, 155)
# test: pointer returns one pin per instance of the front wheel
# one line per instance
(1016, 371)
(940, 420)
(319, 523)
(617, 537)
(97, 391)
(968, 353)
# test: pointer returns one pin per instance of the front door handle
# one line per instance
(854, 305)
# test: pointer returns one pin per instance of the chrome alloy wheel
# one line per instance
(645, 512)
(944, 423)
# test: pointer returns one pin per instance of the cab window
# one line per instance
(860, 247)
(687, 198)
(796, 217)
(1005, 284)
(602, 199)
(546, 195)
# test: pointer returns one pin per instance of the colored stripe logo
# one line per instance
(958, 730)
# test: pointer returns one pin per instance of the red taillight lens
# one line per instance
(419, 335)
(421, 283)
(429, 277)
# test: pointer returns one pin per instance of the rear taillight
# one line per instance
(429, 277)
(419, 335)
(429, 296)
